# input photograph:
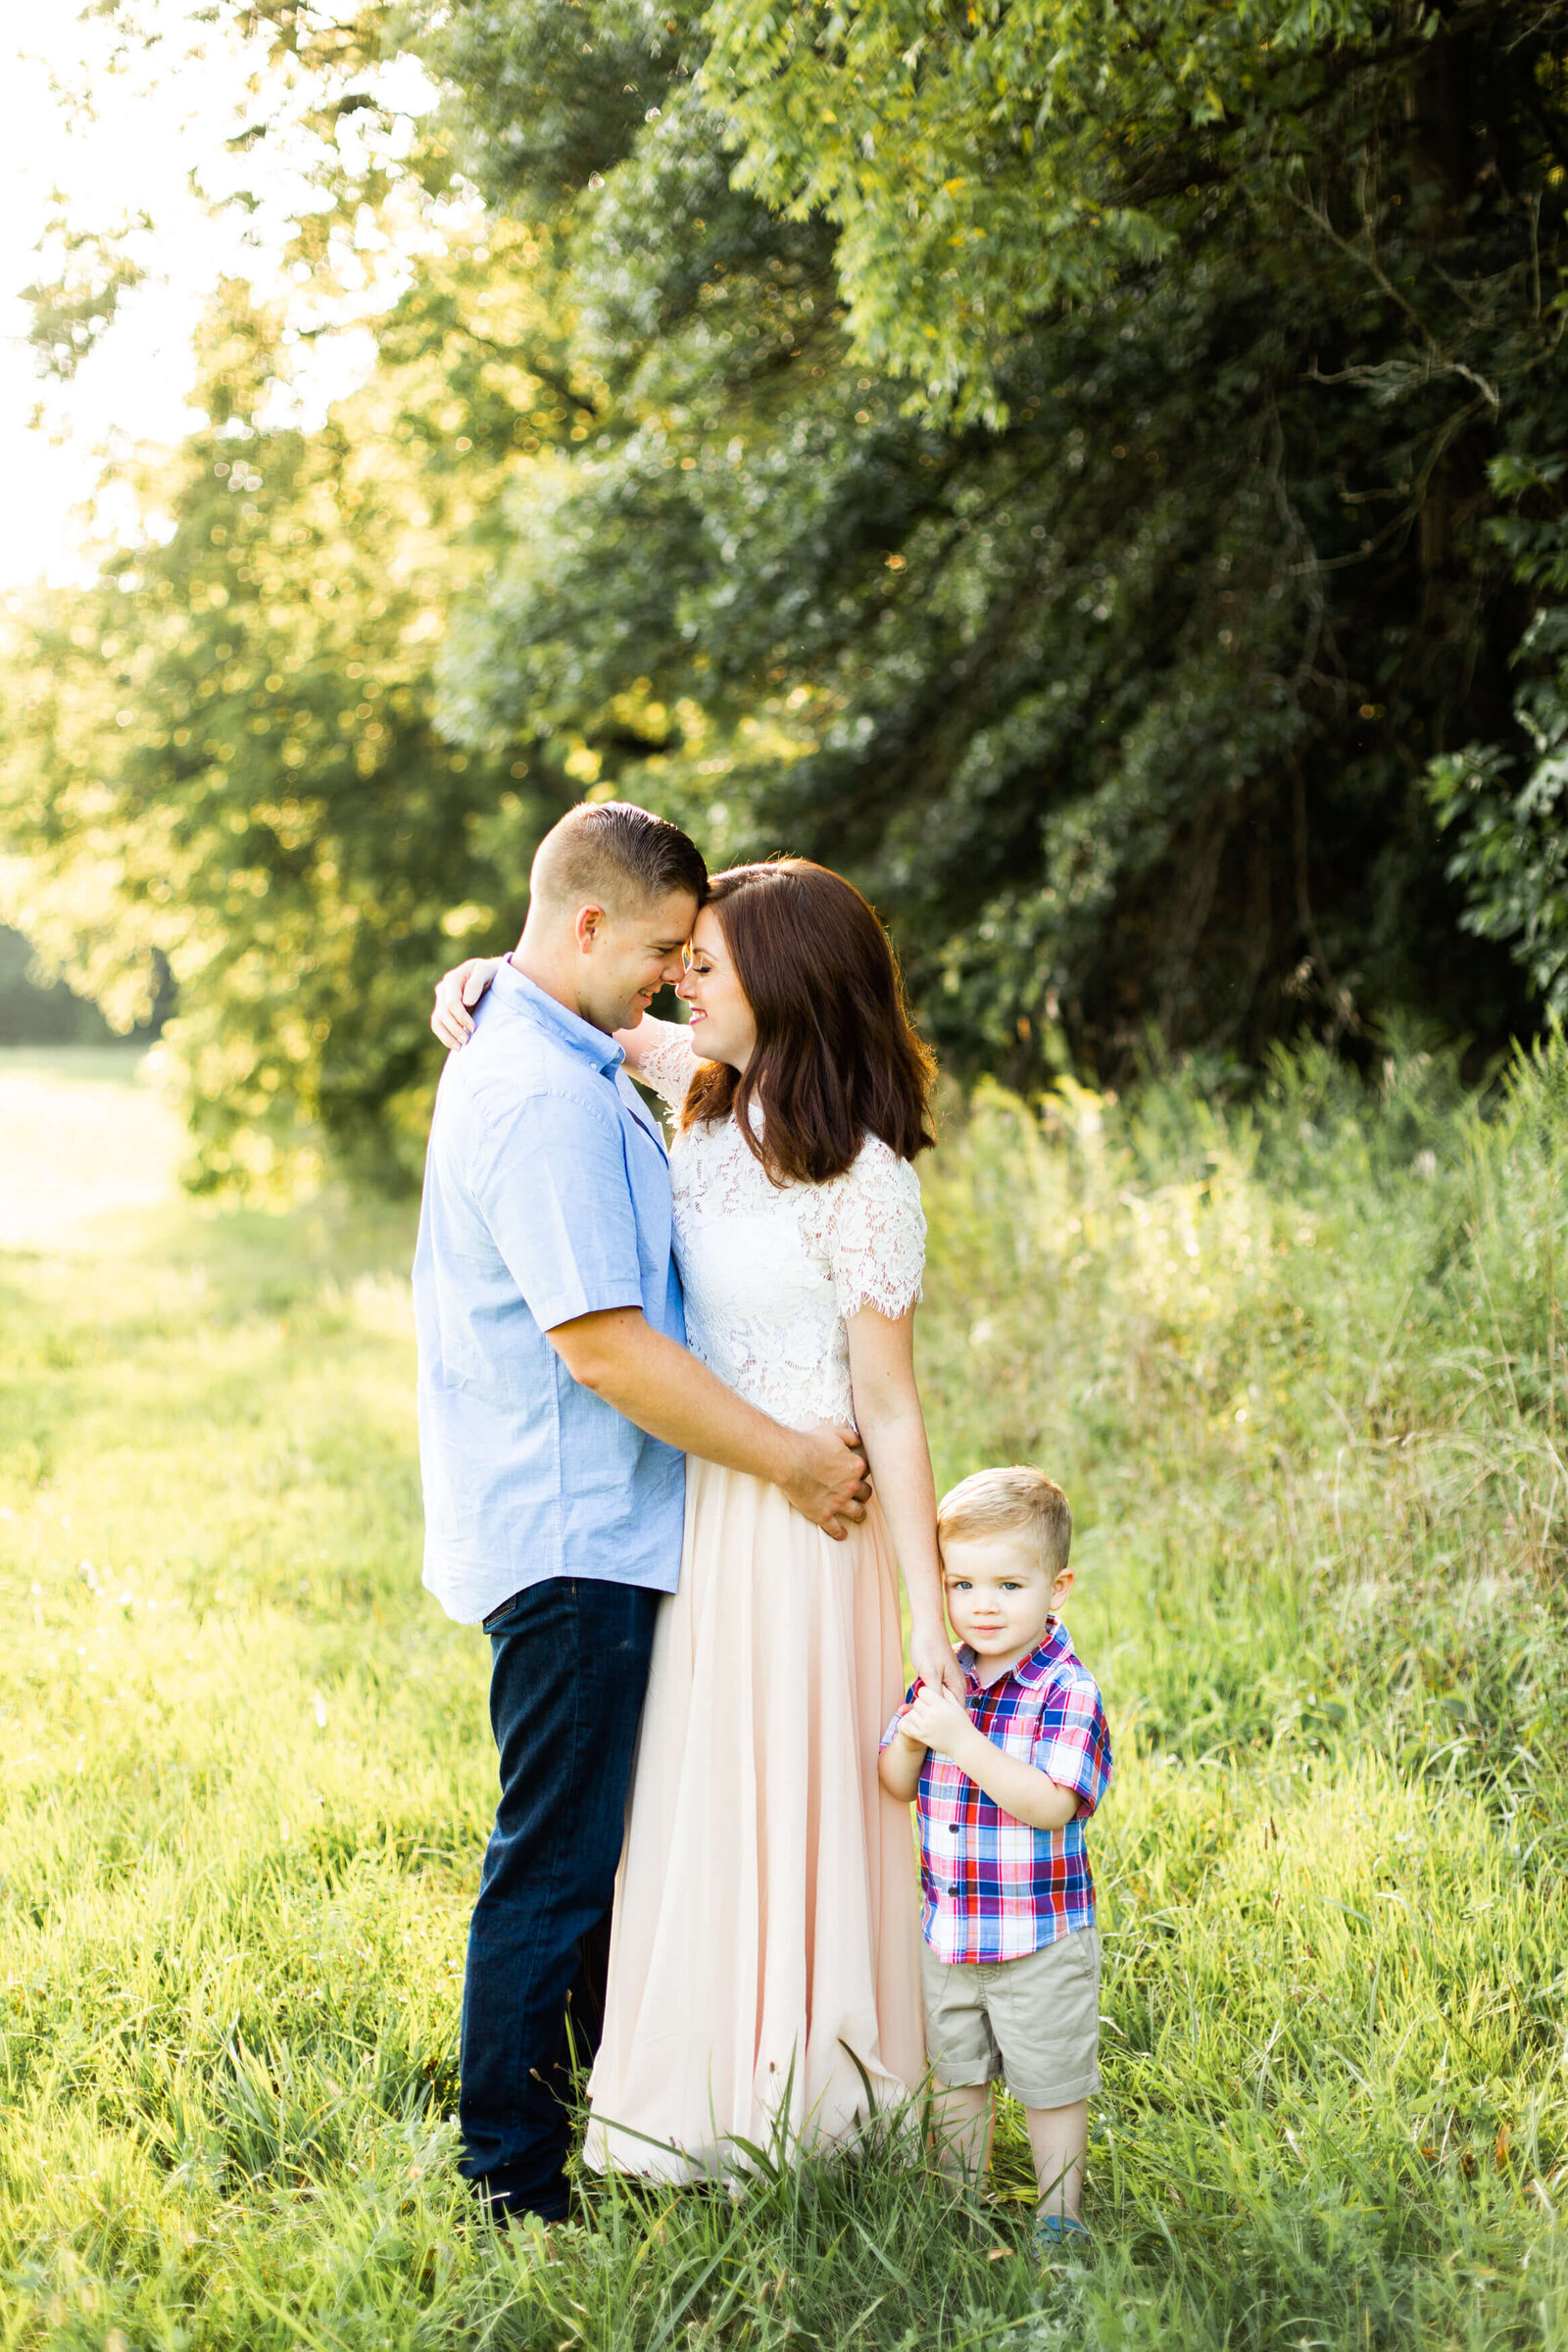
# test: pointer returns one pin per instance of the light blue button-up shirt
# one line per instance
(546, 1197)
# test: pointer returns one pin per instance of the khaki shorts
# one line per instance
(1034, 2022)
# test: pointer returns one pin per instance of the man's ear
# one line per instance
(589, 927)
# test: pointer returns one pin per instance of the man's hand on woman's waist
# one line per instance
(661, 1385)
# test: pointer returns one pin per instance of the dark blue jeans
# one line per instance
(568, 1669)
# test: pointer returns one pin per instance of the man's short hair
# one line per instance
(995, 1502)
(618, 856)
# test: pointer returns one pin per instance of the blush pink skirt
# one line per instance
(766, 1925)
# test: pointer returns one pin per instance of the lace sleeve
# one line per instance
(877, 1237)
(668, 1063)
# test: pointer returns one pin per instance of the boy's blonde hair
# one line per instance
(994, 1503)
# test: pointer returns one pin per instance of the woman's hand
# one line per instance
(455, 991)
(931, 1654)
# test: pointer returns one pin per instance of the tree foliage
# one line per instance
(986, 163)
(1511, 844)
(1065, 501)
(225, 755)
(1089, 473)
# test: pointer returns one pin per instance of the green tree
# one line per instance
(1505, 806)
(1088, 474)
(1068, 506)
(224, 756)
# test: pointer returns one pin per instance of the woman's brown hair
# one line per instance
(837, 1058)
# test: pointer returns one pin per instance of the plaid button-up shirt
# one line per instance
(995, 1888)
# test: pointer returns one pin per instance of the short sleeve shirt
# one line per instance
(993, 1887)
(546, 1197)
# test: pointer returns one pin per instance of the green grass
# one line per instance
(1301, 1371)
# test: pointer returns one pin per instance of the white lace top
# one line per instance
(773, 1271)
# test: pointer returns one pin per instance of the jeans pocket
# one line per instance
(499, 1619)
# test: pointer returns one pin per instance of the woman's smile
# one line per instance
(710, 990)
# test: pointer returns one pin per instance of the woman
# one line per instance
(763, 1964)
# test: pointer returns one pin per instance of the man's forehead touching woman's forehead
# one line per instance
(663, 927)
(623, 860)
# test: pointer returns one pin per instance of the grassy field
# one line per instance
(1301, 1369)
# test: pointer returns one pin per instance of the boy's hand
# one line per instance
(936, 1719)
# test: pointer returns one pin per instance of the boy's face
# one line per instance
(999, 1599)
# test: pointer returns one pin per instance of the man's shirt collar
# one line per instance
(523, 996)
(1053, 1646)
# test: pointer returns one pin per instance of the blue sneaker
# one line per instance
(1058, 2234)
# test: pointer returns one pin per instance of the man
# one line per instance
(556, 1401)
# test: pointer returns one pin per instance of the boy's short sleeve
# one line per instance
(551, 1181)
(892, 1732)
(1072, 1745)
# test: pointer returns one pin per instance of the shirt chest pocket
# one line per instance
(1018, 1737)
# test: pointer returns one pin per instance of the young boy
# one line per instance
(1004, 1785)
